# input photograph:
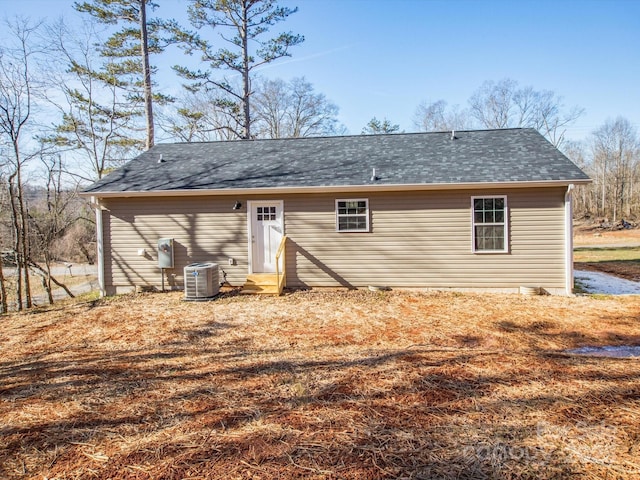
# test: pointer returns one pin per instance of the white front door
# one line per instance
(265, 232)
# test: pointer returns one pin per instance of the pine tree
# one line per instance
(376, 127)
(129, 48)
(242, 24)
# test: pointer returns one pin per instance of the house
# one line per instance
(481, 210)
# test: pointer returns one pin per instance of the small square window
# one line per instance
(352, 215)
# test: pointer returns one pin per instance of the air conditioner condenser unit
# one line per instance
(201, 281)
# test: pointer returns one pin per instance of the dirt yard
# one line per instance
(322, 385)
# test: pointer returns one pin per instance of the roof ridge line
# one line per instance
(395, 134)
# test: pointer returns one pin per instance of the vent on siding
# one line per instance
(201, 281)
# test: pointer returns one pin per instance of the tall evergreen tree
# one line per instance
(242, 24)
(377, 127)
(130, 47)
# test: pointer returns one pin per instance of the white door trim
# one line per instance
(250, 205)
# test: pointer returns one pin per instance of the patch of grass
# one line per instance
(322, 385)
(586, 254)
(623, 262)
(600, 296)
(91, 296)
(579, 288)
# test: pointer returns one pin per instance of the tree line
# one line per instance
(77, 101)
(610, 154)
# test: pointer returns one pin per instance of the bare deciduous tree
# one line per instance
(200, 116)
(292, 109)
(583, 205)
(97, 114)
(615, 149)
(438, 116)
(505, 104)
(51, 215)
(611, 156)
(17, 85)
(5, 235)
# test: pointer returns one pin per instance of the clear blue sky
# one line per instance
(382, 58)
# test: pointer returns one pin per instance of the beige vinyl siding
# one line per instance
(204, 229)
(416, 239)
(424, 239)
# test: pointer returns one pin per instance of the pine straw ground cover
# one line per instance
(324, 385)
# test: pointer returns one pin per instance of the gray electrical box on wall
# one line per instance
(165, 253)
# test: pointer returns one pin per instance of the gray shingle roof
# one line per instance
(480, 156)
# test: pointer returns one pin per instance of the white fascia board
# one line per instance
(335, 189)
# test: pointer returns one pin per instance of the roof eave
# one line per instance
(334, 188)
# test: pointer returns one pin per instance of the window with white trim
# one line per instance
(352, 215)
(489, 224)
